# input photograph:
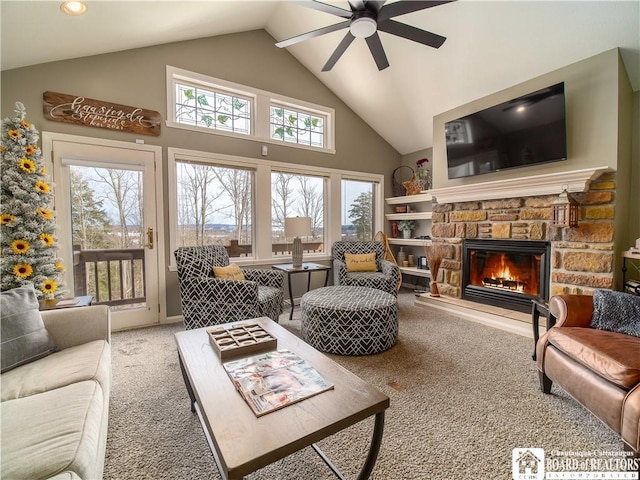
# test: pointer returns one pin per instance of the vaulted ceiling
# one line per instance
(490, 46)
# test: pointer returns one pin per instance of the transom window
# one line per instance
(212, 109)
(212, 105)
(294, 126)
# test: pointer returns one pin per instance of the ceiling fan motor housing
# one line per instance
(363, 25)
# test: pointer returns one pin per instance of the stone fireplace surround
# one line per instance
(582, 258)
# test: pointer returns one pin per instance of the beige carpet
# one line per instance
(463, 395)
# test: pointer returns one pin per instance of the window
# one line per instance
(296, 126)
(214, 206)
(215, 106)
(241, 203)
(297, 195)
(358, 219)
(212, 109)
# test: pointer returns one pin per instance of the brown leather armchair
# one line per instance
(598, 368)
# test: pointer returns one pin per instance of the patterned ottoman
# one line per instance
(349, 320)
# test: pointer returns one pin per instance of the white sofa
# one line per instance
(55, 410)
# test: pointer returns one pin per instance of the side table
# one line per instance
(82, 301)
(540, 306)
(307, 268)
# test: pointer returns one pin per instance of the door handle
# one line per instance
(149, 243)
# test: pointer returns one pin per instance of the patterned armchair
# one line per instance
(207, 300)
(386, 278)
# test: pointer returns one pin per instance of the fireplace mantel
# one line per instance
(545, 184)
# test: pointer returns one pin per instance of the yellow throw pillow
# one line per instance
(230, 272)
(360, 262)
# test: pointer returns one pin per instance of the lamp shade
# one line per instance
(297, 227)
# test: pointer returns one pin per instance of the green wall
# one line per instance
(137, 78)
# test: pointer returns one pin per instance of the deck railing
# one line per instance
(116, 276)
(113, 277)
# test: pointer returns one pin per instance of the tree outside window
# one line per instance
(214, 207)
(357, 210)
(296, 195)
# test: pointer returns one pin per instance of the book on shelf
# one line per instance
(272, 380)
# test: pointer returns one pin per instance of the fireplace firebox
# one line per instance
(505, 273)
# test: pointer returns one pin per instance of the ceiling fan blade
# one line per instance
(375, 46)
(312, 34)
(340, 49)
(405, 6)
(411, 33)
(326, 8)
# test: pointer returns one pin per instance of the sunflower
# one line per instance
(14, 134)
(20, 247)
(43, 171)
(42, 187)
(47, 239)
(44, 213)
(22, 270)
(30, 149)
(49, 286)
(27, 165)
(25, 124)
(59, 266)
(6, 218)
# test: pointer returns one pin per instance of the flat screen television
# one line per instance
(527, 130)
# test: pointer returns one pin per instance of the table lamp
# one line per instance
(295, 228)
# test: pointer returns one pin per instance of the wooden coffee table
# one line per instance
(241, 442)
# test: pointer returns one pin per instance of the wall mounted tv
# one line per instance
(527, 130)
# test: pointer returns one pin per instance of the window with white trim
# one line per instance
(212, 105)
(247, 200)
(297, 195)
(296, 126)
(211, 108)
(213, 206)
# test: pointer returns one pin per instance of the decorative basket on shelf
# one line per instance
(400, 175)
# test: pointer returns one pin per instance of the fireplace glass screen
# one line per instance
(513, 272)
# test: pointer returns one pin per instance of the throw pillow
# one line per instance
(230, 272)
(24, 338)
(616, 312)
(360, 262)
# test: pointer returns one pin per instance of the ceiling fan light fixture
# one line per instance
(73, 8)
(363, 27)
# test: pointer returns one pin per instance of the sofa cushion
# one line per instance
(616, 312)
(53, 432)
(24, 338)
(89, 361)
(613, 356)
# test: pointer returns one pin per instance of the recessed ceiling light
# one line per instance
(521, 108)
(73, 8)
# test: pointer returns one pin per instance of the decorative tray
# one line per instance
(240, 339)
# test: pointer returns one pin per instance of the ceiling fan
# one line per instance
(364, 20)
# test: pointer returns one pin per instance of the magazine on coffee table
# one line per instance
(272, 380)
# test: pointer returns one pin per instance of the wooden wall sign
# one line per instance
(60, 107)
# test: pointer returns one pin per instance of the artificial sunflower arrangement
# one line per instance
(28, 242)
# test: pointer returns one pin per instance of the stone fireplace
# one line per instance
(505, 273)
(578, 260)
